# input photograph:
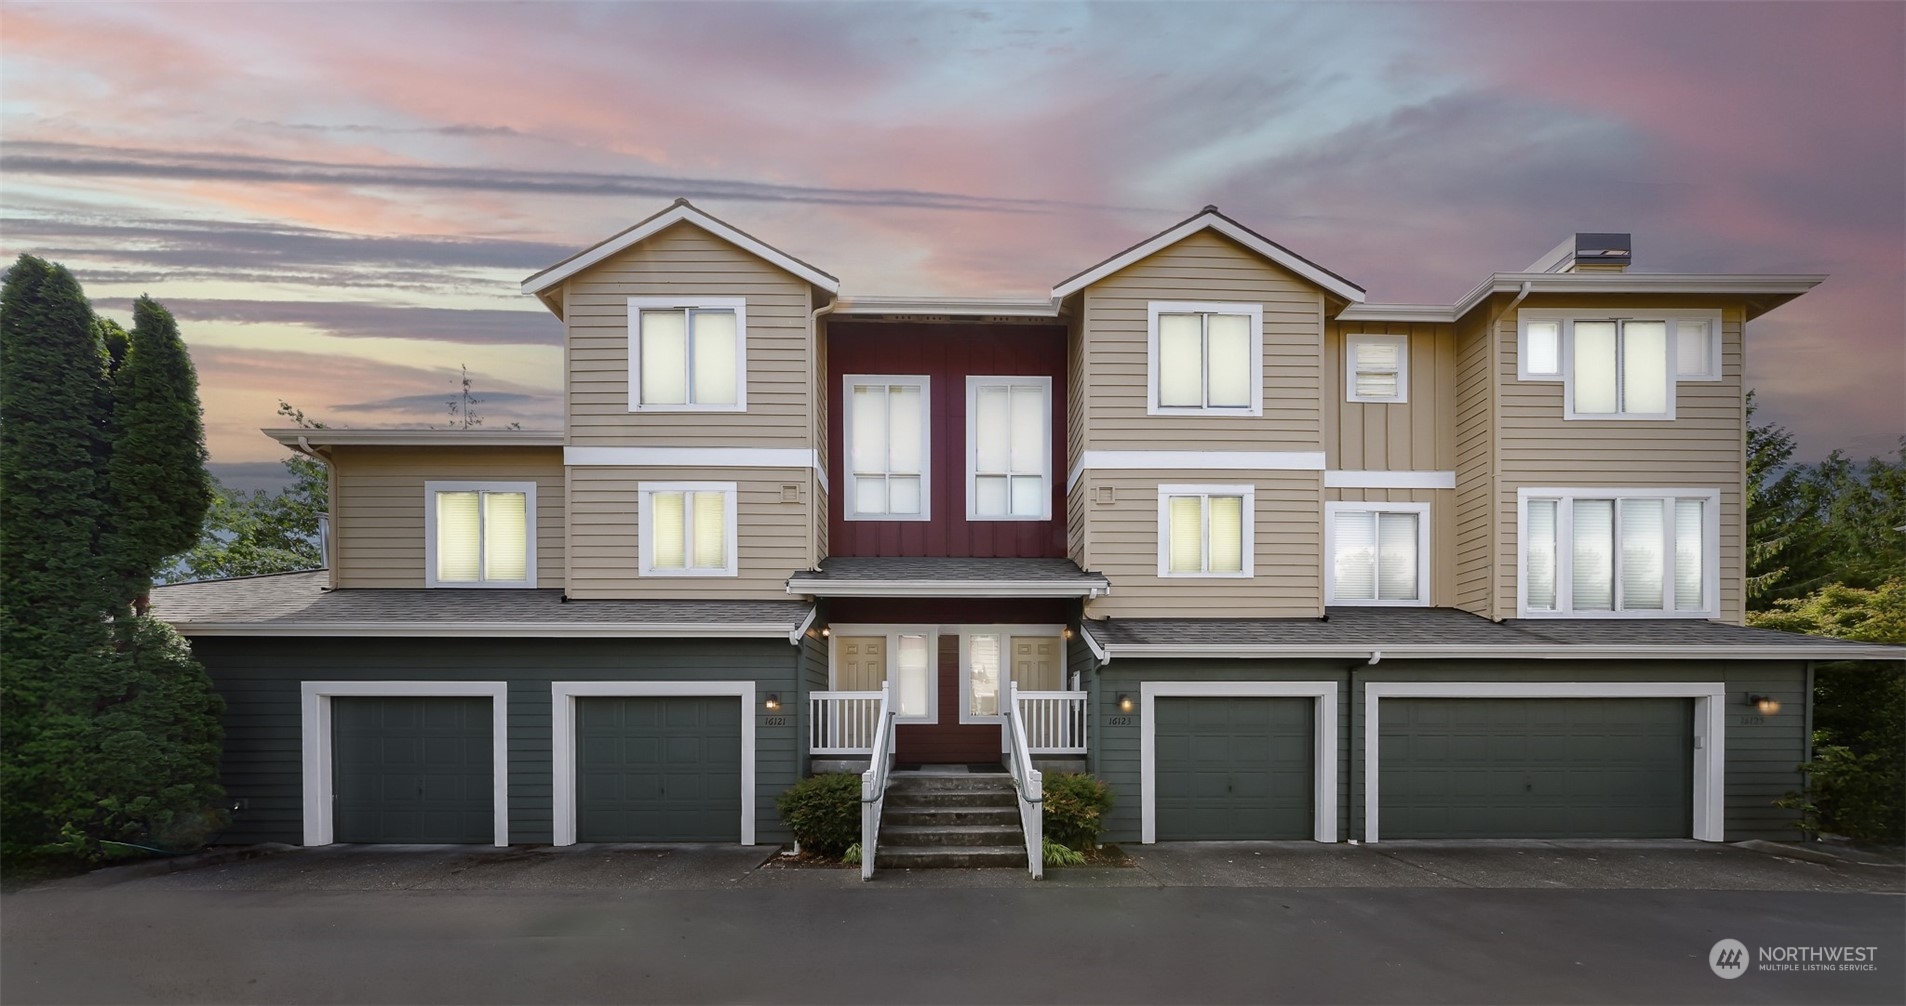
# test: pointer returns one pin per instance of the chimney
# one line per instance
(1587, 253)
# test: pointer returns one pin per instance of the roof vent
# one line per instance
(1588, 253)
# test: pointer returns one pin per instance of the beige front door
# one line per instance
(1035, 662)
(862, 663)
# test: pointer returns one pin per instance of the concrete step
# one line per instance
(950, 798)
(949, 783)
(947, 857)
(938, 817)
(962, 835)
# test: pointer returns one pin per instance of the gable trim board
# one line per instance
(697, 457)
(1710, 725)
(1324, 728)
(1216, 461)
(319, 757)
(1211, 219)
(681, 212)
(1340, 479)
(562, 733)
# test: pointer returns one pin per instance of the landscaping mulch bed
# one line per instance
(806, 860)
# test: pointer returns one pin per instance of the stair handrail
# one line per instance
(873, 782)
(1028, 784)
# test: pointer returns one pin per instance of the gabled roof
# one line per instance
(1209, 219)
(681, 211)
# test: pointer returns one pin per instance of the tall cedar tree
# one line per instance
(159, 489)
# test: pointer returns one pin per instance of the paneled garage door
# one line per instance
(658, 769)
(1233, 768)
(412, 769)
(1535, 768)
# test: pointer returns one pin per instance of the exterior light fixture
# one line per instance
(1125, 702)
(826, 632)
(1766, 704)
(1065, 633)
(774, 701)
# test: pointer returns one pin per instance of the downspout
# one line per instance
(814, 420)
(1495, 428)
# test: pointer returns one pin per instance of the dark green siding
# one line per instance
(811, 669)
(413, 769)
(658, 769)
(1234, 768)
(260, 677)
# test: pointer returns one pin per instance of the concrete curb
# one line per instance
(1814, 853)
(111, 875)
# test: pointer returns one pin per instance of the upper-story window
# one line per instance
(688, 354)
(1618, 552)
(889, 476)
(1205, 359)
(1622, 366)
(479, 534)
(1376, 368)
(1009, 448)
(686, 529)
(1205, 530)
(1378, 553)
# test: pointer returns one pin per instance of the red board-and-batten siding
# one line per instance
(947, 354)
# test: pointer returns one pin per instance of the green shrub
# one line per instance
(1075, 809)
(852, 856)
(823, 811)
(1055, 854)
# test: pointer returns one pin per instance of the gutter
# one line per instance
(813, 415)
(943, 588)
(506, 630)
(1261, 651)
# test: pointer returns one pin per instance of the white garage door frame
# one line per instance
(562, 736)
(317, 757)
(1710, 730)
(1324, 729)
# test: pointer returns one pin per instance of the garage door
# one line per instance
(412, 769)
(658, 769)
(1535, 768)
(1233, 768)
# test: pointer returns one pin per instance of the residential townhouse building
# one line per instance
(1274, 561)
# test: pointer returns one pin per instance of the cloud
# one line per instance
(373, 321)
(433, 405)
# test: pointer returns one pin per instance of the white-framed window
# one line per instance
(686, 529)
(1205, 530)
(1008, 448)
(1033, 656)
(1628, 553)
(688, 354)
(1205, 359)
(887, 437)
(1376, 553)
(1376, 368)
(907, 655)
(1618, 365)
(479, 534)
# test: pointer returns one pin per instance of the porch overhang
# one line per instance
(850, 576)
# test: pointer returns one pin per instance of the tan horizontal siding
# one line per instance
(1442, 530)
(1474, 444)
(1076, 513)
(378, 505)
(1122, 542)
(771, 536)
(1417, 435)
(687, 261)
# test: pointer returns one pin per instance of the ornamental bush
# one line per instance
(823, 811)
(1075, 809)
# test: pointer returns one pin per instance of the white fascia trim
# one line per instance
(1419, 313)
(1323, 730)
(1211, 221)
(416, 438)
(965, 307)
(1625, 282)
(453, 630)
(679, 213)
(1213, 461)
(318, 759)
(562, 730)
(1338, 478)
(1092, 643)
(1536, 651)
(942, 588)
(794, 636)
(1710, 722)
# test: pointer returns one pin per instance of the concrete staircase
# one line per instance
(938, 819)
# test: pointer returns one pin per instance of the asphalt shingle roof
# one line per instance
(950, 570)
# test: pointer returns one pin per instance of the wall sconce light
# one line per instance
(774, 701)
(1125, 702)
(1065, 633)
(826, 632)
(1766, 704)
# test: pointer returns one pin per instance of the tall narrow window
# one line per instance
(1376, 554)
(687, 529)
(888, 472)
(983, 663)
(480, 534)
(912, 666)
(1206, 358)
(687, 355)
(1204, 530)
(1632, 553)
(1376, 368)
(1009, 448)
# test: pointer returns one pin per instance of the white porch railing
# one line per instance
(842, 723)
(1055, 721)
(1028, 782)
(873, 782)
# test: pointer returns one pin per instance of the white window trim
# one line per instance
(1157, 307)
(1402, 343)
(1565, 318)
(432, 488)
(892, 633)
(1006, 634)
(1710, 732)
(318, 757)
(562, 733)
(738, 305)
(1249, 492)
(851, 482)
(1565, 557)
(973, 384)
(645, 542)
(1422, 512)
(1323, 730)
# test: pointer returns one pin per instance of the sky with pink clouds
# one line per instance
(338, 200)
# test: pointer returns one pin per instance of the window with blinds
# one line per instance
(887, 441)
(1204, 530)
(687, 355)
(1009, 448)
(687, 529)
(1377, 554)
(1376, 368)
(1619, 367)
(480, 535)
(1624, 553)
(1205, 358)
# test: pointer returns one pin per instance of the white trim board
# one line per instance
(1339, 478)
(1710, 728)
(697, 457)
(1210, 219)
(1212, 461)
(501, 630)
(318, 759)
(682, 211)
(562, 734)
(1323, 728)
(945, 588)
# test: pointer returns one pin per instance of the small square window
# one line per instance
(1377, 368)
(480, 534)
(686, 529)
(1205, 358)
(1205, 530)
(1377, 553)
(688, 355)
